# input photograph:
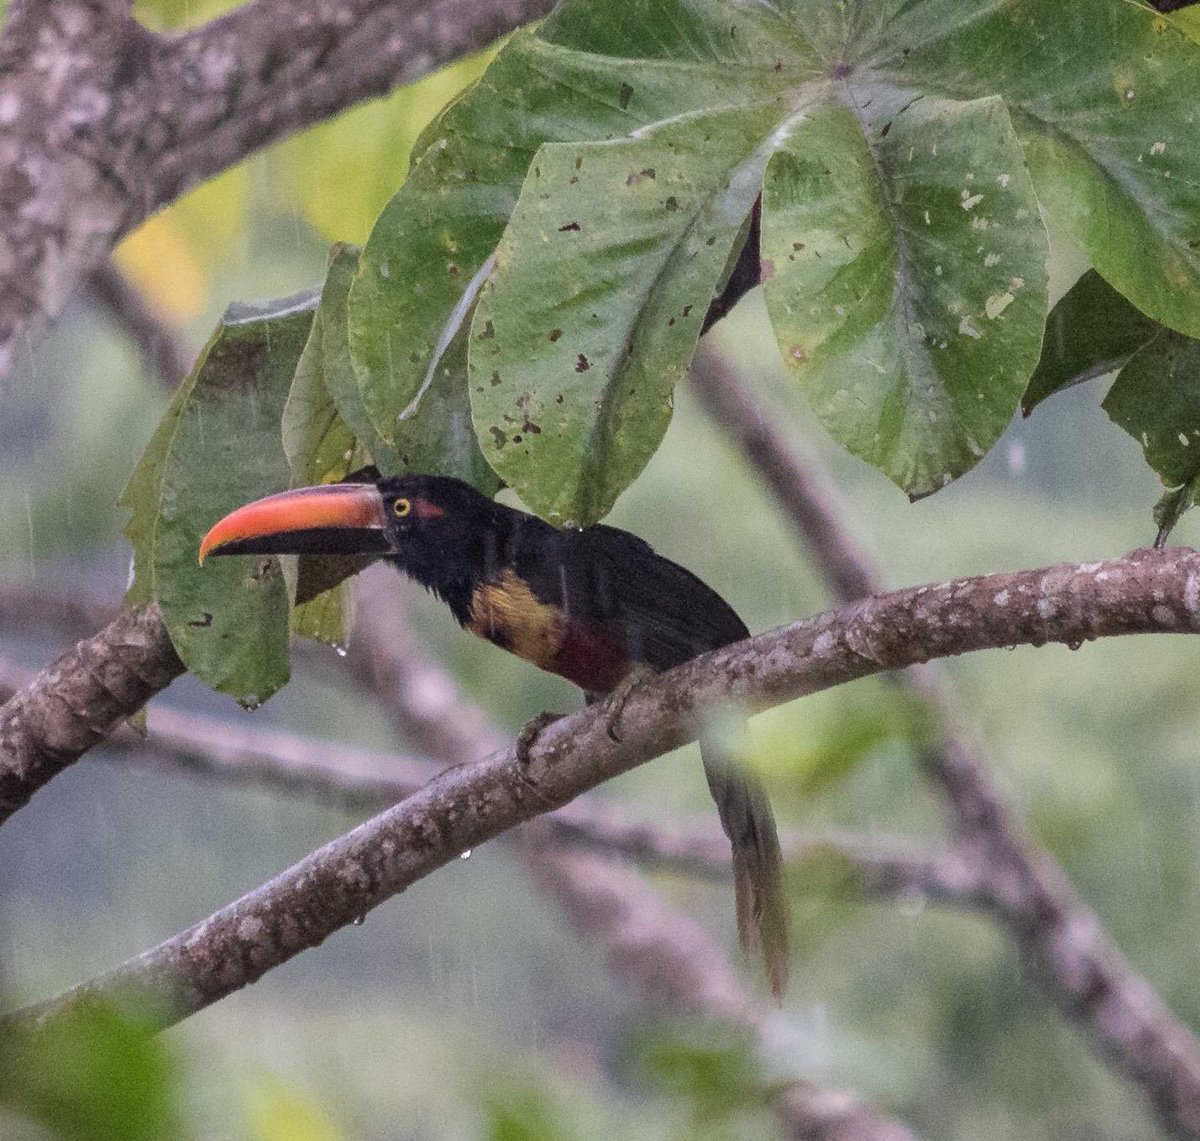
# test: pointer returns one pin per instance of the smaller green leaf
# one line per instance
(1092, 330)
(433, 433)
(327, 616)
(318, 444)
(1156, 399)
(94, 1075)
(219, 447)
(335, 377)
(1171, 508)
(713, 1066)
(142, 492)
(519, 1112)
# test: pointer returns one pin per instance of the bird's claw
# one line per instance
(618, 698)
(531, 732)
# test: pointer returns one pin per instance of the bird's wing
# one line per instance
(665, 612)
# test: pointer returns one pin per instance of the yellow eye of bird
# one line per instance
(401, 507)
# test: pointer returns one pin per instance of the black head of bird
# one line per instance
(595, 605)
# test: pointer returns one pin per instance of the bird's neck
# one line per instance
(452, 569)
(451, 577)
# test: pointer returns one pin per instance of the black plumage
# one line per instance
(595, 605)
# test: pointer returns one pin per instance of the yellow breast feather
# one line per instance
(508, 613)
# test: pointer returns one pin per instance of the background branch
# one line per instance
(808, 499)
(28, 610)
(675, 962)
(161, 349)
(1026, 891)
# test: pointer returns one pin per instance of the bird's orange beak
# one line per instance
(332, 519)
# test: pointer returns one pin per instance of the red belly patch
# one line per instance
(594, 661)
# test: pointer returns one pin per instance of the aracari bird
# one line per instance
(595, 605)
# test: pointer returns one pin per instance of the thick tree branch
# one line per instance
(1061, 939)
(79, 699)
(427, 706)
(1026, 891)
(103, 122)
(271, 67)
(1149, 591)
(363, 780)
(60, 62)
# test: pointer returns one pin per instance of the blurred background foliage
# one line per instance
(466, 1008)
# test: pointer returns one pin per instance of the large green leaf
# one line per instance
(906, 278)
(321, 448)
(712, 33)
(414, 281)
(1104, 97)
(219, 447)
(602, 281)
(327, 434)
(1188, 22)
(1099, 99)
(1092, 330)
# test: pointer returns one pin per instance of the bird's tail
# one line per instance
(745, 812)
